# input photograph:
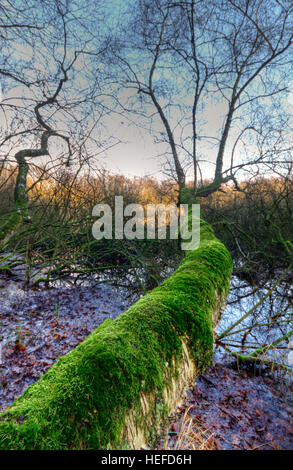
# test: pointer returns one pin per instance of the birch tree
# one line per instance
(49, 74)
(184, 57)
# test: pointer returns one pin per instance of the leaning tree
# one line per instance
(212, 77)
(51, 106)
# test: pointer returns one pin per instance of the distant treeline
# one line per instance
(254, 222)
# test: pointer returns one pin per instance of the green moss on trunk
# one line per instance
(84, 400)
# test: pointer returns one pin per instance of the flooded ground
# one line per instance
(249, 407)
(233, 409)
(39, 324)
(271, 320)
(238, 408)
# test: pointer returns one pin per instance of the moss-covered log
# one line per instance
(116, 387)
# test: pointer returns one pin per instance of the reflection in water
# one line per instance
(40, 323)
(268, 322)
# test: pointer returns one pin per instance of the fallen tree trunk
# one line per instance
(115, 389)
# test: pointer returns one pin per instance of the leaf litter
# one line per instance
(228, 408)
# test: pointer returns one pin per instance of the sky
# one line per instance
(137, 154)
